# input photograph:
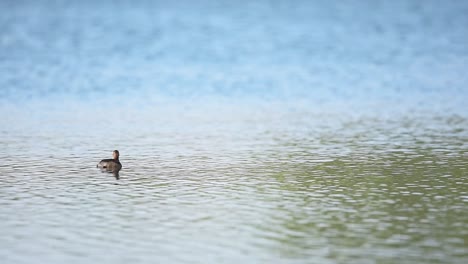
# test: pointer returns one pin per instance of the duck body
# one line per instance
(110, 164)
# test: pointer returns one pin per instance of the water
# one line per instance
(266, 132)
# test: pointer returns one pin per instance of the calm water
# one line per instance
(266, 132)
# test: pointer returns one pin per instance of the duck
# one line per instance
(111, 164)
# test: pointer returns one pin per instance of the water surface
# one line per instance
(266, 132)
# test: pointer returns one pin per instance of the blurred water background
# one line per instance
(255, 131)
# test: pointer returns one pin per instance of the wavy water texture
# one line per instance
(249, 131)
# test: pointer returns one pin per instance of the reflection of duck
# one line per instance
(111, 165)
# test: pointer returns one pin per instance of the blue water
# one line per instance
(357, 51)
(256, 131)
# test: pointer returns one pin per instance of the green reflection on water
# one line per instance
(381, 201)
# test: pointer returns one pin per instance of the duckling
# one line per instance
(111, 164)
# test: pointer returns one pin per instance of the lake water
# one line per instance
(249, 131)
